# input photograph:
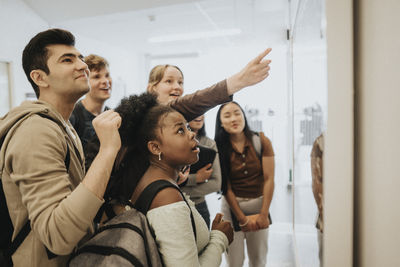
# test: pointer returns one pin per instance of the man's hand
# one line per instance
(106, 126)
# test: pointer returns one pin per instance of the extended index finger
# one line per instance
(262, 55)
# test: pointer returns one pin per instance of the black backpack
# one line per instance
(8, 246)
(127, 239)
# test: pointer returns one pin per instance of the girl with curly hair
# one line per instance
(138, 129)
(166, 83)
(158, 145)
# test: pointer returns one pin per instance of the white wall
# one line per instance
(378, 170)
(123, 66)
(18, 24)
(339, 156)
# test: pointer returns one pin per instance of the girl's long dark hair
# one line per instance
(224, 145)
(141, 116)
(202, 130)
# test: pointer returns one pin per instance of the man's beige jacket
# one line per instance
(39, 187)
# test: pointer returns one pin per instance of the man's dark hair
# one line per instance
(36, 54)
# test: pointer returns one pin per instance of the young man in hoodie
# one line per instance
(59, 201)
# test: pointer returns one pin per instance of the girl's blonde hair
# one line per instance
(156, 75)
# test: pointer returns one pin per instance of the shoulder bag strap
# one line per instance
(256, 140)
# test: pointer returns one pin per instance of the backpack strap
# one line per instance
(67, 157)
(145, 199)
(107, 251)
(79, 118)
(51, 255)
(22, 234)
(256, 140)
(110, 250)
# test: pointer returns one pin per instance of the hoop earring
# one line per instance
(159, 156)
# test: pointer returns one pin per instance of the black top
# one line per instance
(81, 119)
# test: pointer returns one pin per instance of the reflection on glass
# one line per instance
(309, 121)
(317, 154)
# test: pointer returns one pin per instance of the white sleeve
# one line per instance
(212, 253)
(174, 235)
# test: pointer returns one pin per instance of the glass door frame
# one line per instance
(9, 67)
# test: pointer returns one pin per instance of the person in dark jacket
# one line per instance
(93, 104)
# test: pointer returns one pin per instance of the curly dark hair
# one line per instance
(141, 118)
(132, 110)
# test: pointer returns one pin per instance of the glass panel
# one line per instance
(265, 112)
(265, 105)
(309, 122)
(4, 89)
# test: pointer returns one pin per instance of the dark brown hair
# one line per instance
(35, 54)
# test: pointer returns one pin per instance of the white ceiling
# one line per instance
(130, 23)
(54, 11)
